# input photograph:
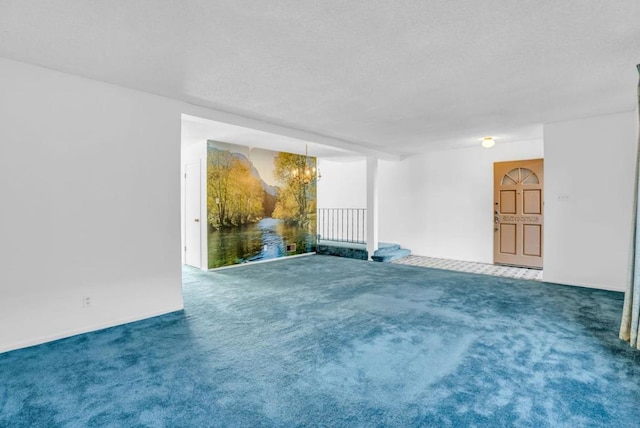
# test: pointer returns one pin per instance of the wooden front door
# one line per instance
(518, 213)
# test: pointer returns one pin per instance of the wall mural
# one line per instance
(261, 204)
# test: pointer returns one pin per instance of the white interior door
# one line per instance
(192, 236)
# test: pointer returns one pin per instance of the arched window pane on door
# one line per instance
(531, 178)
(520, 176)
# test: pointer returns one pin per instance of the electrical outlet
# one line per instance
(563, 198)
(86, 302)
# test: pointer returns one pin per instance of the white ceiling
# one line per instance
(396, 76)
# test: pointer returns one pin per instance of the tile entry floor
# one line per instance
(472, 267)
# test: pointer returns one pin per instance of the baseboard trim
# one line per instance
(276, 259)
(581, 285)
(75, 332)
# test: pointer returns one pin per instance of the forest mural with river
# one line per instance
(261, 204)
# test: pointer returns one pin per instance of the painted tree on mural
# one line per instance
(235, 195)
(245, 195)
(296, 199)
(218, 170)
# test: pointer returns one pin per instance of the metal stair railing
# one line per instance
(342, 224)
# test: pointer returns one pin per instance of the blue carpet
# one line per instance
(326, 341)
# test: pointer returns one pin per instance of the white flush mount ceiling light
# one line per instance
(488, 142)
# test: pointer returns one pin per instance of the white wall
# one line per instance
(89, 186)
(440, 204)
(343, 184)
(587, 237)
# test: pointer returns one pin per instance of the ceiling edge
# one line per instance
(287, 131)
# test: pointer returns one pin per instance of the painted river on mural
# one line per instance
(266, 239)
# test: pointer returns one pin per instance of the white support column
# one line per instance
(372, 205)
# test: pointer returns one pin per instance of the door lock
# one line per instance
(197, 220)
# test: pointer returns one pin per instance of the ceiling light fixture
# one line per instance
(305, 172)
(488, 142)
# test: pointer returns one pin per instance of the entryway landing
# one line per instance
(386, 252)
(472, 267)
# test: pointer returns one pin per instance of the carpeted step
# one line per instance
(388, 246)
(388, 254)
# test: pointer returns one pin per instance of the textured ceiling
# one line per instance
(398, 76)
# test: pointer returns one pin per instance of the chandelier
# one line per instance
(305, 171)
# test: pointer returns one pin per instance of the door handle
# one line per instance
(197, 220)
